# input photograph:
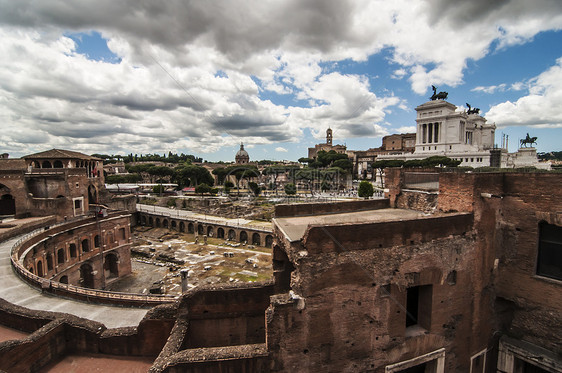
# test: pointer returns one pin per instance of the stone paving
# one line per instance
(14, 290)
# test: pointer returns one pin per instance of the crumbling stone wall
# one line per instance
(346, 308)
(55, 335)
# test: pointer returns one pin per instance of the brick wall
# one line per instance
(305, 209)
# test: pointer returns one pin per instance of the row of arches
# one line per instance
(52, 261)
(86, 272)
(242, 236)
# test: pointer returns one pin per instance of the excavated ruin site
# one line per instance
(158, 256)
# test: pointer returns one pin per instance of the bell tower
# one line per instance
(329, 136)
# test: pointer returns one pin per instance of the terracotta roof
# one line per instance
(12, 164)
(60, 154)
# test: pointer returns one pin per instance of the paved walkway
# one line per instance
(14, 290)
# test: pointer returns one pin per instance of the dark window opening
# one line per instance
(72, 250)
(412, 301)
(549, 263)
(418, 306)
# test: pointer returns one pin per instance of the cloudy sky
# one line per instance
(199, 77)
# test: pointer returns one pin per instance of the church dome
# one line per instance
(242, 155)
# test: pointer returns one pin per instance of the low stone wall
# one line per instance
(395, 233)
(306, 209)
(55, 335)
(17, 229)
(219, 328)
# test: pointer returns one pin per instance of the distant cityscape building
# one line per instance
(466, 136)
(327, 146)
(54, 182)
(242, 156)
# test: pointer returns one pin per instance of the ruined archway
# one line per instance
(165, 223)
(190, 228)
(256, 239)
(7, 203)
(86, 276)
(220, 233)
(182, 226)
(200, 229)
(268, 240)
(63, 279)
(151, 221)
(157, 222)
(174, 225)
(243, 236)
(210, 231)
(231, 234)
(111, 265)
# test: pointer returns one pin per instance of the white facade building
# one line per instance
(441, 130)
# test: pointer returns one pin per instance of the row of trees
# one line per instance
(184, 175)
(170, 158)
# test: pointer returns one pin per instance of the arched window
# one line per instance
(46, 164)
(49, 258)
(220, 233)
(72, 250)
(97, 240)
(85, 245)
(60, 256)
(57, 164)
(40, 268)
(63, 279)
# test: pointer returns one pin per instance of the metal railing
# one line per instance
(189, 216)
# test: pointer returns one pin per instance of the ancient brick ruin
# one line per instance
(462, 278)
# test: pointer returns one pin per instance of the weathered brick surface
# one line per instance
(305, 209)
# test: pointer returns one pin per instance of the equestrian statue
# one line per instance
(528, 140)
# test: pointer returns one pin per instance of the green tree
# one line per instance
(202, 189)
(382, 164)
(290, 189)
(255, 188)
(188, 174)
(221, 173)
(365, 190)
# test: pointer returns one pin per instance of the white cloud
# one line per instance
(407, 129)
(541, 107)
(281, 149)
(490, 89)
(167, 93)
